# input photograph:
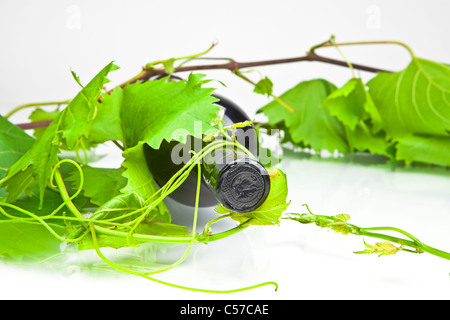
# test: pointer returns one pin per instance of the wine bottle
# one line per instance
(229, 176)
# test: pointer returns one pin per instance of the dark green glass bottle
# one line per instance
(229, 176)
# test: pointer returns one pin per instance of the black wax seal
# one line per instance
(243, 185)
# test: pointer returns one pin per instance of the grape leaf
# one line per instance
(264, 86)
(107, 124)
(100, 184)
(35, 165)
(14, 142)
(73, 123)
(354, 107)
(27, 240)
(31, 203)
(76, 78)
(120, 208)
(140, 181)
(270, 211)
(120, 205)
(352, 104)
(383, 248)
(425, 149)
(119, 191)
(363, 139)
(168, 65)
(340, 227)
(415, 100)
(79, 114)
(155, 110)
(342, 217)
(24, 240)
(311, 124)
(42, 115)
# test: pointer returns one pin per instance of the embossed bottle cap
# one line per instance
(243, 185)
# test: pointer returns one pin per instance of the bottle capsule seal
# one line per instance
(243, 185)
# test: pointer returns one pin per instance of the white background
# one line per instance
(42, 40)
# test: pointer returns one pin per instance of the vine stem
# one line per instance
(65, 196)
(331, 43)
(336, 223)
(153, 238)
(234, 66)
(38, 104)
(415, 243)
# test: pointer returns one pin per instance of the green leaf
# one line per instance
(22, 240)
(168, 65)
(354, 107)
(72, 124)
(35, 166)
(107, 125)
(100, 184)
(14, 142)
(264, 87)
(352, 104)
(342, 217)
(415, 100)
(311, 125)
(140, 181)
(81, 111)
(121, 205)
(363, 139)
(156, 110)
(424, 149)
(270, 211)
(22, 182)
(42, 115)
(122, 191)
(383, 248)
(31, 204)
(76, 77)
(339, 227)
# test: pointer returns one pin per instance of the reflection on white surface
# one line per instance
(307, 262)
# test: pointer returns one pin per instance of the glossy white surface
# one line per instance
(306, 261)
